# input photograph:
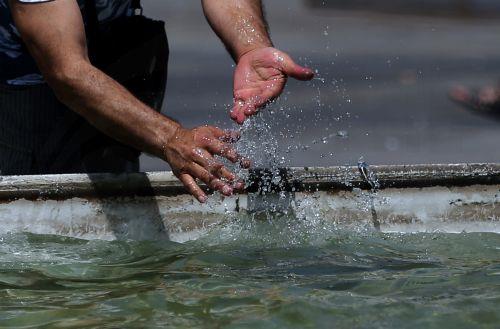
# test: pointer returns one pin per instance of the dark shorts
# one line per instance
(40, 135)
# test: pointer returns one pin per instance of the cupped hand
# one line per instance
(260, 77)
(190, 153)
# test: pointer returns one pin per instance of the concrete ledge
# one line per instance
(445, 198)
(291, 179)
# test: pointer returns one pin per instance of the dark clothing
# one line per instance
(39, 135)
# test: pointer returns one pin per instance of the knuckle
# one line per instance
(194, 152)
(207, 141)
(190, 186)
(231, 151)
(229, 176)
(203, 139)
(216, 168)
(217, 148)
(197, 137)
(215, 183)
(182, 169)
(200, 133)
(206, 177)
(231, 154)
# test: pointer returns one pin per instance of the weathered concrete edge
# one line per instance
(298, 178)
(402, 176)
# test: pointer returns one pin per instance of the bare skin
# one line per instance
(261, 71)
(260, 77)
(60, 50)
(485, 101)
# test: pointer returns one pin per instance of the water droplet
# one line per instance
(342, 134)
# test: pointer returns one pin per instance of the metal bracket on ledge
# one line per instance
(370, 178)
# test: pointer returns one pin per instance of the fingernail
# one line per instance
(227, 190)
(202, 198)
(239, 185)
(245, 163)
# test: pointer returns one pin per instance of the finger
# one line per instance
(230, 177)
(251, 109)
(210, 180)
(488, 95)
(294, 70)
(460, 94)
(241, 118)
(216, 168)
(217, 132)
(245, 163)
(241, 97)
(239, 185)
(227, 175)
(193, 188)
(230, 136)
(207, 161)
(237, 113)
(265, 96)
(300, 73)
(234, 113)
(224, 150)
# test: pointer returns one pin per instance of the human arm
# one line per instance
(262, 70)
(59, 48)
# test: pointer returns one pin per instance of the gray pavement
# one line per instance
(382, 92)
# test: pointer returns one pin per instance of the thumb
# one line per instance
(237, 113)
(296, 71)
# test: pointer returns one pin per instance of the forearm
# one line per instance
(240, 24)
(59, 48)
(111, 108)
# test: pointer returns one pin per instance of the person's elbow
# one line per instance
(63, 73)
(64, 77)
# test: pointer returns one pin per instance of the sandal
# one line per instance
(472, 101)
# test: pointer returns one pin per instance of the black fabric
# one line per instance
(133, 50)
(91, 27)
(136, 4)
(17, 62)
(39, 135)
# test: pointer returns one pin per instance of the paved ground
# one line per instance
(384, 94)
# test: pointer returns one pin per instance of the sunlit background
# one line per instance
(381, 92)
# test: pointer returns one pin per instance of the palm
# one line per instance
(260, 77)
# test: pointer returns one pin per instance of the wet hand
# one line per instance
(190, 153)
(260, 77)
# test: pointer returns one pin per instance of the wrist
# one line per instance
(167, 136)
(250, 48)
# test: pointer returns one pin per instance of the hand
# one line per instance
(260, 77)
(190, 153)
